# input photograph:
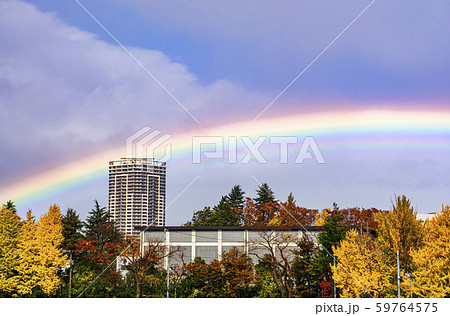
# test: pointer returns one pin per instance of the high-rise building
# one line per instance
(137, 193)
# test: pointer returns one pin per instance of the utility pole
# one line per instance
(398, 274)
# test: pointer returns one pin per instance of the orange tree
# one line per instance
(233, 275)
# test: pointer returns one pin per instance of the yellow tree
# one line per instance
(28, 259)
(399, 230)
(51, 258)
(432, 261)
(359, 272)
(9, 238)
(319, 219)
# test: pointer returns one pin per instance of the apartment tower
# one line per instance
(137, 193)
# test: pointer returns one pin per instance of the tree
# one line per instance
(28, 267)
(319, 219)
(301, 267)
(334, 231)
(9, 239)
(361, 217)
(262, 215)
(51, 259)
(233, 275)
(264, 195)
(236, 197)
(10, 204)
(275, 251)
(101, 245)
(205, 217)
(399, 230)
(432, 261)
(145, 267)
(225, 214)
(72, 226)
(97, 216)
(359, 271)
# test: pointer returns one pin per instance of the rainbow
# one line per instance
(357, 130)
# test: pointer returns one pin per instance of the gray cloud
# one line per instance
(63, 90)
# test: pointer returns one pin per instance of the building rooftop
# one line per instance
(206, 228)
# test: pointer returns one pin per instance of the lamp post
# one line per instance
(398, 274)
(410, 281)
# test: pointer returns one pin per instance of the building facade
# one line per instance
(137, 193)
(209, 242)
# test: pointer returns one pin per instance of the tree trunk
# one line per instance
(277, 282)
(70, 275)
(138, 286)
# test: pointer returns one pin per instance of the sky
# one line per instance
(77, 78)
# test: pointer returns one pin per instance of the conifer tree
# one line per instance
(236, 197)
(334, 231)
(72, 226)
(264, 195)
(9, 239)
(97, 216)
(51, 259)
(28, 261)
(224, 214)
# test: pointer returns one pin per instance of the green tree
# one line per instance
(236, 197)
(9, 239)
(334, 231)
(205, 217)
(301, 267)
(264, 195)
(72, 226)
(225, 214)
(97, 216)
(290, 200)
(100, 246)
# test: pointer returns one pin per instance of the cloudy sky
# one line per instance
(68, 91)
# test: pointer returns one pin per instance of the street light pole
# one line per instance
(410, 282)
(334, 282)
(398, 274)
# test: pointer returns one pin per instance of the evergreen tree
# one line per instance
(97, 216)
(334, 231)
(29, 262)
(236, 197)
(9, 239)
(51, 259)
(10, 204)
(264, 195)
(224, 214)
(72, 226)
(290, 200)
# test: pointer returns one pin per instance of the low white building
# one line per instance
(209, 242)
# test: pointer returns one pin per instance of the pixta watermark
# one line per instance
(146, 142)
(243, 149)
